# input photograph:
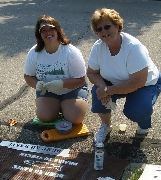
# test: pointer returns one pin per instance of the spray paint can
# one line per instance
(99, 156)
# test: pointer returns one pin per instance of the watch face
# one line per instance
(105, 89)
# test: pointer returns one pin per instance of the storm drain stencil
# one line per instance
(22, 162)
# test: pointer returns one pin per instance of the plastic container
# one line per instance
(99, 156)
(122, 127)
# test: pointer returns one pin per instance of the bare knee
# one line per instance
(75, 117)
(46, 116)
(74, 110)
(76, 121)
(47, 108)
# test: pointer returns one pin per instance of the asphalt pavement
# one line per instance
(142, 19)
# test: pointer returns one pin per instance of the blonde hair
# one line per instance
(105, 13)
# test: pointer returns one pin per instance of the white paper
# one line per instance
(151, 172)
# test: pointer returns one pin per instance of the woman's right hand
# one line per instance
(105, 100)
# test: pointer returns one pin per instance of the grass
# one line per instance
(136, 174)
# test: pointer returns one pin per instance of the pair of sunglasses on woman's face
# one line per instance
(106, 27)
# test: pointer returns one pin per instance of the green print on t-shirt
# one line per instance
(55, 72)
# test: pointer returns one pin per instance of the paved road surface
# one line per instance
(17, 21)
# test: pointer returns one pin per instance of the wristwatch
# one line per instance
(105, 89)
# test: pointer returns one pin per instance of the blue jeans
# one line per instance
(138, 106)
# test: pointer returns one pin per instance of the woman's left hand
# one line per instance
(101, 92)
(53, 85)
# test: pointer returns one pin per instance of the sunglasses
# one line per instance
(106, 27)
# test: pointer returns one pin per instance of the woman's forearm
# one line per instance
(123, 88)
(96, 79)
(31, 80)
(73, 83)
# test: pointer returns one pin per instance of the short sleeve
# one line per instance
(93, 59)
(137, 59)
(77, 66)
(30, 63)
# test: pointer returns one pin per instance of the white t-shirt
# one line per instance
(66, 62)
(132, 57)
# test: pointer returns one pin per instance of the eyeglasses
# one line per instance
(106, 27)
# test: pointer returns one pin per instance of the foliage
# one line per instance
(136, 174)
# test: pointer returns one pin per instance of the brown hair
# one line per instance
(49, 20)
(105, 13)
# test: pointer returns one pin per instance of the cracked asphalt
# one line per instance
(142, 19)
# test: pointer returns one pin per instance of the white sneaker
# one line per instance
(142, 131)
(102, 132)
